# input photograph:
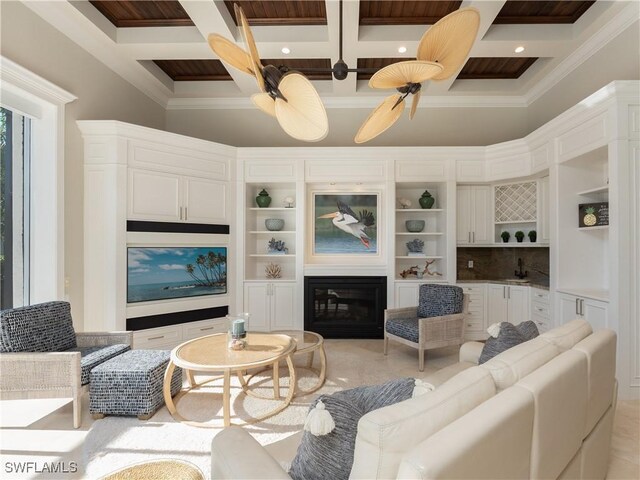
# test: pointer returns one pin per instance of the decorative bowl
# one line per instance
(274, 224)
(414, 225)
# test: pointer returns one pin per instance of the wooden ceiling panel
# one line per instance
(281, 12)
(478, 68)
(534, 11)
(304, 65)
(194, 70)
(395, 12)
(125, 13)
(375, 63)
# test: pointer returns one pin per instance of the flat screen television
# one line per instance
(161, 273)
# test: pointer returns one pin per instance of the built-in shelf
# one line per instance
(429, 279)
(269, 280)
(271, 232)
(423, 210)
(509, 245)
(267, 209)
(599, 227)
(422, 257)
(273, 255)
(591, 191)
(515, 221)
(419, 233)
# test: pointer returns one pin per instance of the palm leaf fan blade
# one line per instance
(414, 103)
(381, 118)
(250, 43)
(302, 114)
(265, 103)
(230, 53)
(449, 41)
(400, 74)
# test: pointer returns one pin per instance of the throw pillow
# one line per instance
(331, 455)
(506, 336)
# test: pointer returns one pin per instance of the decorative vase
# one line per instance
(263, 199)
(274, 224)
(505, 237)
(533, 236)
(426, 200)
(519, 236)
(414, 226)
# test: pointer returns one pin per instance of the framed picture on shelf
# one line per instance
(345, 223)
(593, 214)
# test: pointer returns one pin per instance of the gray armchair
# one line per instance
(43, 357)
(438, 321)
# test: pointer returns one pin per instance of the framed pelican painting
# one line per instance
(345, 224)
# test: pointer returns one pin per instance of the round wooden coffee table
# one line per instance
(210, 354)
(308, 344)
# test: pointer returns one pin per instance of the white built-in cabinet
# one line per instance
(161, 196)
(473, 222)
(596, 312)
(543, 210)
(507, 303)
(271, 305)
(476, 327)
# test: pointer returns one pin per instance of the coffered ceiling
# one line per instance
(161, 46)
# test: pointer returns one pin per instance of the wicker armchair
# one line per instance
(43, 357)
(419, 328)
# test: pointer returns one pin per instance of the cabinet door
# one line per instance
(257, 303)
(463, 215)
(543, 210)
(283, 306)
(481, 226)
(204, 201)
(567, 307)
(596, 313)
(497, 304)
(407, 295)
(154, 196)
(518, 304)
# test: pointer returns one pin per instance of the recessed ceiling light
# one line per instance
(285, 50)
(519, 49)
(402, 49)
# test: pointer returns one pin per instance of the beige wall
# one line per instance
(102, 94)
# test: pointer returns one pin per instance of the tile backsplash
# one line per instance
(501, 262)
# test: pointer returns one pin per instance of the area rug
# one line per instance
(116, 442)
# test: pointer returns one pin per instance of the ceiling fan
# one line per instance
(441, 52)
(287, 95)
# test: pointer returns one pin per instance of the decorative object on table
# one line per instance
(519, 236)
(426, 200)
(409, 271)
(274, 224)
(533, 236)
(415, 248)
(405, 203)
(505, 237)
(273, 270)
(237, 333)
(288, 202)
(263, 199)
(276, 247)
(286, 95)
(441, 53)
(429, 272)
(593, 214)
(414, 226)
(348, 232)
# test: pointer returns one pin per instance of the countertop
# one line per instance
(508, 282)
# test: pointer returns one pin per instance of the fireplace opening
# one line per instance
(345, 307)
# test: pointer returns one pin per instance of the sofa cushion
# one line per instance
(331, 455)
(509, 336)
(566, 336)
(386, 434)
(438, 300)
(45, 327)
(510, 366)
(91, 357)
(406, 328)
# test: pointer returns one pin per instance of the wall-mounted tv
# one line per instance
(160, 273)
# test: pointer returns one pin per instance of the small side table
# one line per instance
(308, 344)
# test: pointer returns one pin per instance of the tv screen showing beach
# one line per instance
(157, 273)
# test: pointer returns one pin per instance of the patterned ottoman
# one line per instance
(131, 384)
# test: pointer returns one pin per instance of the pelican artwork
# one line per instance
(347, 221)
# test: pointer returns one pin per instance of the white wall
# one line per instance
(102, 94)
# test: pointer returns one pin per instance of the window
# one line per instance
(15, 141)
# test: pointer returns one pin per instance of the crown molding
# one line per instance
(17, 75)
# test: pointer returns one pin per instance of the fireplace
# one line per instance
(345, 307)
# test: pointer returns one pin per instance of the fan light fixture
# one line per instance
(285, 50)
(519, 49)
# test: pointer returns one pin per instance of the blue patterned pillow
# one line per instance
(438, 300)
(46, 327)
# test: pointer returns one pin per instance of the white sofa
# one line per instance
(543, 409)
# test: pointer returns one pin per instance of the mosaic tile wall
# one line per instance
(500, 263)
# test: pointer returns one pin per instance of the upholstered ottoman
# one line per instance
(131, 384)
